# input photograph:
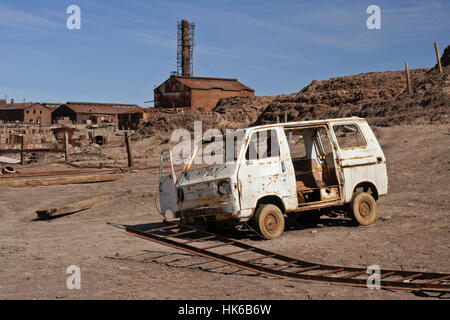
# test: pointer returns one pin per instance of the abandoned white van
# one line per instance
(270, 171)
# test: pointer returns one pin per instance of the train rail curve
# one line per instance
(245, 256)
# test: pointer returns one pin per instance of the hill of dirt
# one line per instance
(242, 111)
(380, 97)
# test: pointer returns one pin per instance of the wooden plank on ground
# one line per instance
(25, 150)
(33, 182)
(74, 171)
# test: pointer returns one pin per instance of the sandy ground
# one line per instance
(412, 232)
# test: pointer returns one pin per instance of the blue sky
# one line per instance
(125, 48)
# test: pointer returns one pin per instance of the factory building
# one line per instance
(125, 116)
(197, 93)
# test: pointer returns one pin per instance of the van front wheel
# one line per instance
(363, 209)
(270, 221)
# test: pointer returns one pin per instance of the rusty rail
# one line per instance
(244, 256)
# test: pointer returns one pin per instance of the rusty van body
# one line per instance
(280, 169)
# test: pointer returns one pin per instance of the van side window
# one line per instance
(349, 136)
(263, 144)
(296, 144)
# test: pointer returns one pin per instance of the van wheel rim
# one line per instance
(365, 209)
(271, 223)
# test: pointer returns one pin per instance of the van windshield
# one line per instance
(218, 150)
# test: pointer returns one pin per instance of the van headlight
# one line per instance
(223, 187)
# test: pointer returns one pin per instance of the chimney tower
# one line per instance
(185, 48)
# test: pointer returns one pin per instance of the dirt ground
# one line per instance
(411, 233)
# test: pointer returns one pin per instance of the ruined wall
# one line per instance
(95, 118)
(35, 137)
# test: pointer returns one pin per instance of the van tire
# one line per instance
(269, 221)
(363, 209)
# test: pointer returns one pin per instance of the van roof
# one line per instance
(298, 124)
(306, 123)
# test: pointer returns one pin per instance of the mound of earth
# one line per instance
(242, 111)
(380, 97)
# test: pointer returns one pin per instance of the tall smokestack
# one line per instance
(185, 48)
(186, 58)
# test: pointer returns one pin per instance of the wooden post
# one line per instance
(22, 152)
(438, 56)
(285, 116)
(129, 151)
(66, 146)
(408, 78)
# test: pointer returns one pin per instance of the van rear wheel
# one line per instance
(269, 221)
(363, 209)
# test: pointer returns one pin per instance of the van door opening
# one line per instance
(314, 166)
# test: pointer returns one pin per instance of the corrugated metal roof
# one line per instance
(102, 108)
(103, 104)
(205, 83)
(17, 106)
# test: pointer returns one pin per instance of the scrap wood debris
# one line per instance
(72, 207)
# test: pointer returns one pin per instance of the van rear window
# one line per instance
(349, 136)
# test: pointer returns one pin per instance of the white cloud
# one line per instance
(16, 18)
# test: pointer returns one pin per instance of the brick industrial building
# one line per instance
(126, 116)
(29, 112)
(197, 93)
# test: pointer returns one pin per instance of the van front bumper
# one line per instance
(203, 211)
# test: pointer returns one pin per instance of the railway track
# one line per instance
(241, 255)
